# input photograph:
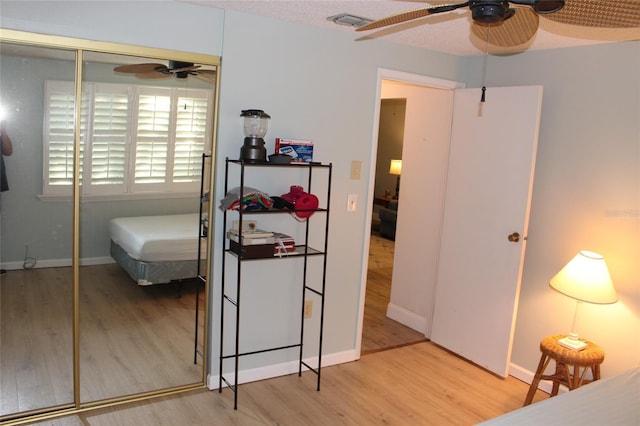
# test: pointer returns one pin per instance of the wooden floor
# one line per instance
(132, 339)
(414, 383)
(419, 384)
(380, 332)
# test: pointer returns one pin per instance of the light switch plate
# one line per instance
(352, 202)
(356, 168)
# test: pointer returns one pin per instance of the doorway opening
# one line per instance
(379, 331)
(404, 299)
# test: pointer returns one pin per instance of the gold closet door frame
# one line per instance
(81, 46)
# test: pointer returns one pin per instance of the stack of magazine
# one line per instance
(257, 243)
(251, 237)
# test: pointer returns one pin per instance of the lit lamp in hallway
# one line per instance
(586, 279)
(395, 168)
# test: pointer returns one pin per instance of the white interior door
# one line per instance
(489, 183)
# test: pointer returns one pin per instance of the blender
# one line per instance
(256, 122)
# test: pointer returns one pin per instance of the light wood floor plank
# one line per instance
(380, 332)
(419, 384)
(410, 385)
(132, 339)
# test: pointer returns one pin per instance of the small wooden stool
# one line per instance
(589, 358)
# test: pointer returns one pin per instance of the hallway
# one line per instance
(379, 332)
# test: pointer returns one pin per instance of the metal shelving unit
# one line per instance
(203, 230)
(301, 251)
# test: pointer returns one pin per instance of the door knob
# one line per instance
(514, 238)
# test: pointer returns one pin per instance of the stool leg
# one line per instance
(595, 370)
(576, 379)
(561, 374)
(536, 380)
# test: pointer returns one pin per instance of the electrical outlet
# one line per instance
(308, 308)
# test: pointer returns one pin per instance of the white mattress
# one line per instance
(613, 401)
(158, 238)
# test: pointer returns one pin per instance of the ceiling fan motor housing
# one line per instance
(176, 67)
(489, 11)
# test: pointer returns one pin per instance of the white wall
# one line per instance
(161, 24)
(586, 193)
(321, 86)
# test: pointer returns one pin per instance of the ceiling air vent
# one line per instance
(349, 20)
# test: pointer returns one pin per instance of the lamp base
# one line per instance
(572, 342)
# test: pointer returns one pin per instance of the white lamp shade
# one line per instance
(395, 168)
(586, 278)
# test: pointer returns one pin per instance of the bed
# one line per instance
(157, 249)
(612, 401)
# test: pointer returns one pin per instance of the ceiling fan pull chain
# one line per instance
(484, 66)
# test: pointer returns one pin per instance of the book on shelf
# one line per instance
(258, 251)
(283, 250)
(251, 240)
(255, 233)
(283, 243)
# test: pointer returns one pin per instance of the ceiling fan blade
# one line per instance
(208, 77)
(599, 13)
(139, 68)
(207, 73)
(410, 15)
(517, 30)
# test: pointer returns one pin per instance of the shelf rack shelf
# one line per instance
(303, 251)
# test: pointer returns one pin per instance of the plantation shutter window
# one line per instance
(134, 139)
(191, 134)
(152, 136)
(59, 130)
(109, 139)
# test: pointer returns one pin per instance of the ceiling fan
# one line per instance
(497, 22)
(175, 69)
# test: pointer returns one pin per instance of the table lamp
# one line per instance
(395, 168)
(586, 279)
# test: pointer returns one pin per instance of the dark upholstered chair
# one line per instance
(388, 218)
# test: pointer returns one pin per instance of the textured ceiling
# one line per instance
(448, 32)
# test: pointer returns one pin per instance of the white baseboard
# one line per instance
(58, 263)
(406, 317)
(277, 370)
(526, 376)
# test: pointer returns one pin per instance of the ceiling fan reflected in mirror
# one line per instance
(514, 22)
(176, 69)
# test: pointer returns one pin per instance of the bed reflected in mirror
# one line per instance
(148, 122)
(112, 249)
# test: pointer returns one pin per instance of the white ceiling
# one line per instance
(446, 32)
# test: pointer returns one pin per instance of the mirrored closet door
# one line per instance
(36, 289)
(101, 228)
